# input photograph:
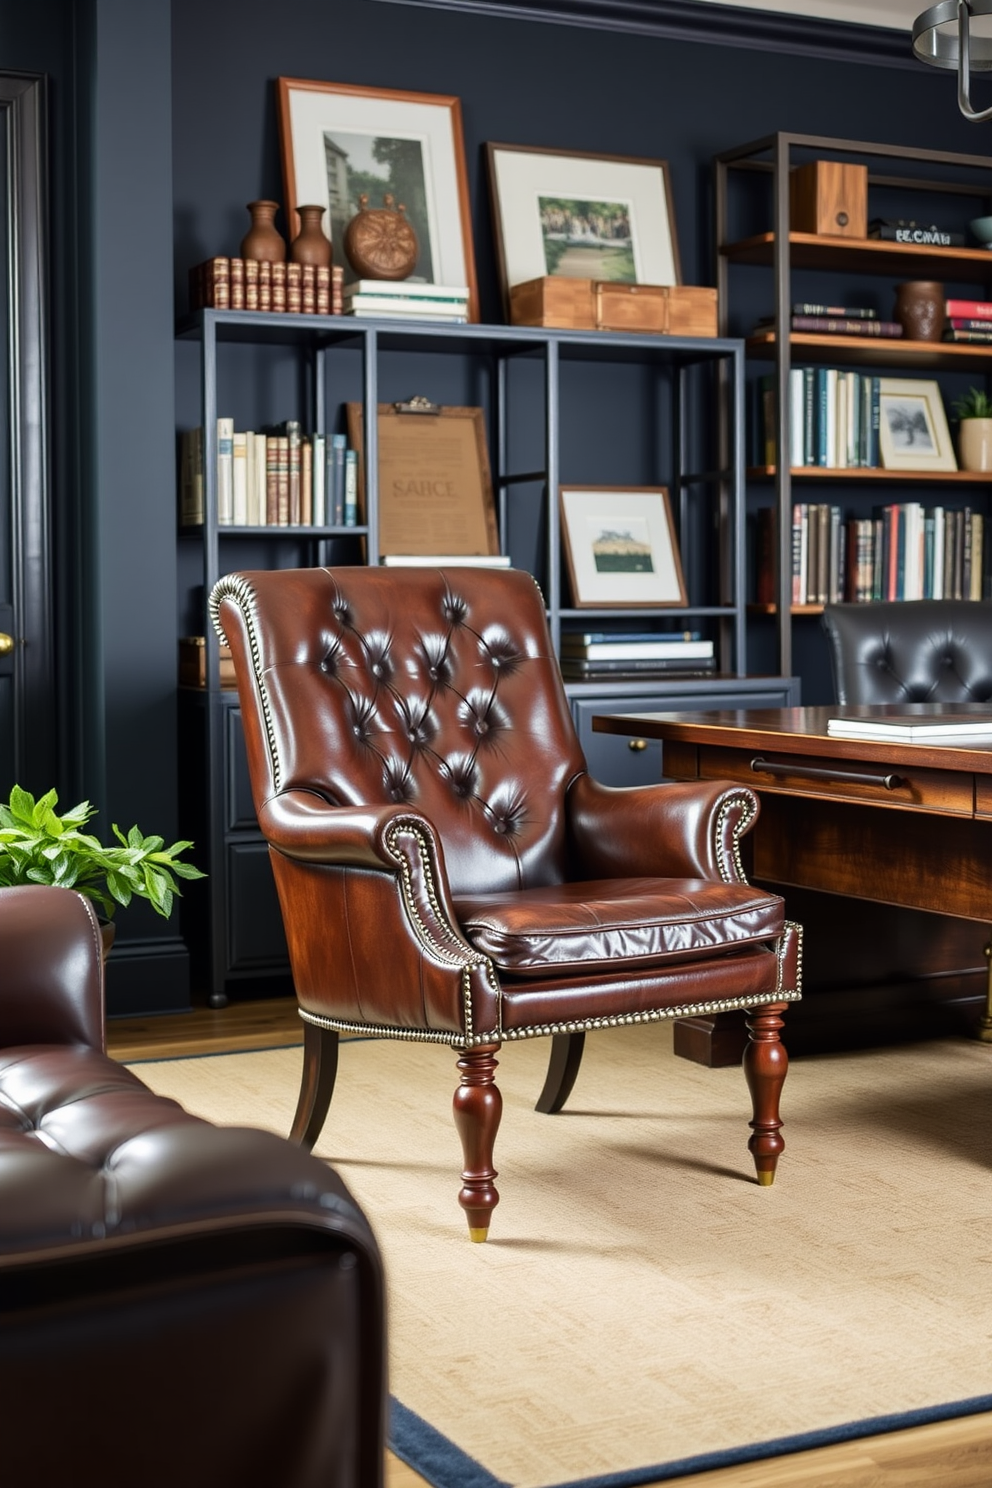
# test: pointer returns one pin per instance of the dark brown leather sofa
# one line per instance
(180, 1304)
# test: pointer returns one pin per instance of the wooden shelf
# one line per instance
(874, 473)
(867, 255)
(772, 609)
(875, 351)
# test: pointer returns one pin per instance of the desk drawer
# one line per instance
(946, 791)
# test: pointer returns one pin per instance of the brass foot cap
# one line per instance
(765, 1178)
(477, 1236)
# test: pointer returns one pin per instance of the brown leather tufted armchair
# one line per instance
(446, 868)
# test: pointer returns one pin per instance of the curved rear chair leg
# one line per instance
(478, 1107)
(765, 1066)
(320, 1066)
(563, 1066)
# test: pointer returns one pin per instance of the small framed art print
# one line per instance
(621, 547)
(912, 425)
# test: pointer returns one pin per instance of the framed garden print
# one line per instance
(581, 216)
(620, 546)
(340, 141)
(912, 425)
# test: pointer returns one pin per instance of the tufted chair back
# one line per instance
(411, 687)
(911, 651)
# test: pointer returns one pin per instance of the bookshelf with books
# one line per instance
(533, 385)
(817, 394)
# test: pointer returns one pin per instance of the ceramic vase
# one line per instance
(920, 310)
(263, 241)
(311, 244)
(975, 444)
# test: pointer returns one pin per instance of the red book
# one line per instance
(970, 309)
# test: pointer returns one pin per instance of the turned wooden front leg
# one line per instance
(478, 1107)
(765, 1067)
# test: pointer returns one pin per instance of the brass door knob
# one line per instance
(6, 643)
(637, 746)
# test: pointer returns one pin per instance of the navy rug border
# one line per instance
(445, 1465)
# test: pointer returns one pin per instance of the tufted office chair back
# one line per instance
(911, 651)
(386, 686)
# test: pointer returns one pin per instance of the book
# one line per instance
(980, 338)
(319, 466)
(306, 482)
(577, 666)
(968, 309)
(845, 326)
(337, 289)
(350, 488)
(294, 288)
(842, 312)
(405, 289)
(191, 477)
(239, 480)
(237, 284)
(922, 234)
(294, 471)
(335, 479)
(445, 560)
(414, 310)
(653, 650)
(913, 726)
(958, 323)
(271, 509)
(225, 471)
(596, 637)
(258, 514)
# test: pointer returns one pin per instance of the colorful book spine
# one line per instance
(335, 484)
(968, 309)
(351, 488)
(832, 326)
(843, 312)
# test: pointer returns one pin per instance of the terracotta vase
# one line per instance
(263, 241)
(311, 244)
(975, 444)
(920, 310)
(380, 242)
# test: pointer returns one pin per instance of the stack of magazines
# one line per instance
(617, 655)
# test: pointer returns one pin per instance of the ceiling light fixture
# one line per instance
(959, 53)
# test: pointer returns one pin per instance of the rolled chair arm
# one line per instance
(52, 958)
(688, 829)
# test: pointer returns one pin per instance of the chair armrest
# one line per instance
(301, 825)
(689, 829)
(52, 958)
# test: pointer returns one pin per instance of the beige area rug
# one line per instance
(643, 1306)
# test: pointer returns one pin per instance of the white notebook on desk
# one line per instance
(914, 727)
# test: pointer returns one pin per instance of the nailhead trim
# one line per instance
(791, 925)
(234, 586)
(747, 807)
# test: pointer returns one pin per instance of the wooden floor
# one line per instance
(950, 1454)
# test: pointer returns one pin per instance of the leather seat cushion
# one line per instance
(634, 921)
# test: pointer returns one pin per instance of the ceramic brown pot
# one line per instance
(920, 310)
(380, 242)
(311, 244)
(263, 241)
(975, 443)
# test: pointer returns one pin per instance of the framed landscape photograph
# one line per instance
(912, 426)
(620, 546)
(560, 214)
(341, 142)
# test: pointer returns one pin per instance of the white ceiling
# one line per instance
(898, 15)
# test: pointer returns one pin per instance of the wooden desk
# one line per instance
(901, 825)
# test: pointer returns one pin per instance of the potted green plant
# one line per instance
(974, 410)
(37, 845)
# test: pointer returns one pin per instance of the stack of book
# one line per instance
(280, 477)
(833, 419)
(903, 551)
(969, 320)
(406, 299)
(835, 320)
(614, 656)
(224, 283)
(921, 234)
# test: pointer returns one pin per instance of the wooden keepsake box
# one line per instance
(588, 304)
(829, 197)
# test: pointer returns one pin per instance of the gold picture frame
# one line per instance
(621, 547)
(340, 140)
(912, 425)
(435, 484)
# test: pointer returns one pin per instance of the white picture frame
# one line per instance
(621, 547)
(321, 123)
(620, 208)
(912, 426)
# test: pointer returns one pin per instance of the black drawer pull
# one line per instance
(811, 772)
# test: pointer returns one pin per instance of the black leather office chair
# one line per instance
(911, 651)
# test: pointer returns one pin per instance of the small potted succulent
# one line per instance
(974, 410)
(37, 845)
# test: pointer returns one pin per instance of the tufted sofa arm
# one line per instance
(52, 968)
(684, 830)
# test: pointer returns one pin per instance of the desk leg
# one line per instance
(985, 1022)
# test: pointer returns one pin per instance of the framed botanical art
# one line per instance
(912, 425)
(557, 213)
(341, 142)
(621, 547)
